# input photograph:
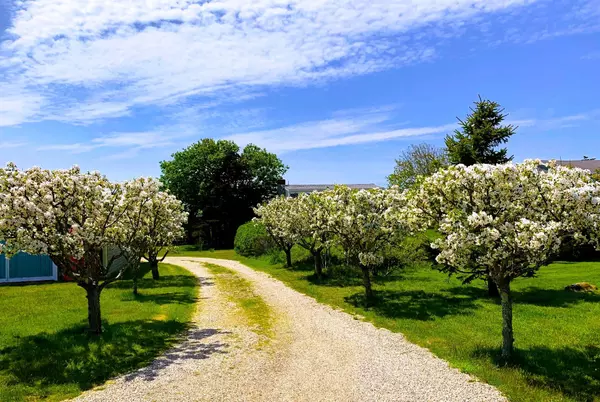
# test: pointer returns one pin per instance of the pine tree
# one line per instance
(476, 142)
(479, 136)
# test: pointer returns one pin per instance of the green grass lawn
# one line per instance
(46, 354)
(557, 333)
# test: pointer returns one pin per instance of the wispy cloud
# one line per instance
(553, 123)
(128, 143)
(346, 127)
(8, 144)
(90, 60)
(591, 56)
(361, 126)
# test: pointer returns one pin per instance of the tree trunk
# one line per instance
(154, 267)
(507, 323)
(367, 283)
(288, 257)
(94, 316)
(135, 282)
(318, 263)
(492, 288)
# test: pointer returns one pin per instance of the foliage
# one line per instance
(71, 216)
(252, 239)
(155, 221)
(363, 222)
(308, 220)
(49, 356)
(479, 136)
(401, 253)
(219, 185)
(505, 221)
(277, 220)
(420, 160)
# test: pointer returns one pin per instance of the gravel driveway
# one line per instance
(316, 354)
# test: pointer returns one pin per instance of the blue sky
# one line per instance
(337, 88)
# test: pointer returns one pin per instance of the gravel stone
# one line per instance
(317, 353)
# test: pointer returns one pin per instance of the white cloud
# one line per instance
(130, 141)
(8, 144)
(142, 52)
(350, 127)
(361, 126)
(553, 123)
(591, 56)
(18, 105)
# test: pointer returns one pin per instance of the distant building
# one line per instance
(590, 164)
(293, 190)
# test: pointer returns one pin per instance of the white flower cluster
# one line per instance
(72, 215)
(155, 218)
(507, 218)
(362, 222)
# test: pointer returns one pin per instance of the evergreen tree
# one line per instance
(479, 136)
(476, 142)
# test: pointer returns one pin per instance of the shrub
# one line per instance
(402, 253)
(252, 240)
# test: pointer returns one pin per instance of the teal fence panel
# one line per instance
(2, 267)
(25, 265)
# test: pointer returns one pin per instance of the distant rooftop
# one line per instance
(588, 164)
(295, 189)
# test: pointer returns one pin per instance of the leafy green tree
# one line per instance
(219, 185)
(419, 160)
(477, 141)
(479, 135)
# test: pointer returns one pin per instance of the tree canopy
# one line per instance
(219, 186)
(419, 160)
(479, 135)
(503, 221)
(155, 220)
(73, 216)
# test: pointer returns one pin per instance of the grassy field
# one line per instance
(46, 354)
(557, 333)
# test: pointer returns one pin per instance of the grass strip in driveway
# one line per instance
(256, 313)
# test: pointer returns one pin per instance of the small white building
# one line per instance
(293, 190)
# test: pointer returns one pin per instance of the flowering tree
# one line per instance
(363, 223)
(503, 220)
(155, 220)
(277, 220)
(308, 226)
(71, 216)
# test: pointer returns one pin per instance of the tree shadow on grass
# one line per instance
(414, 304)
(74, 358)
(575, 372)
(553, 297)
(169, 281)
(160, 299)
(472, 292)
(339, 281)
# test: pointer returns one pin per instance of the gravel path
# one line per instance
(316, 354)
